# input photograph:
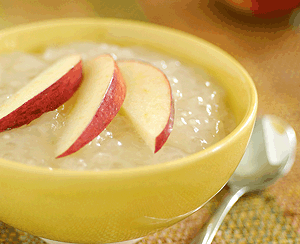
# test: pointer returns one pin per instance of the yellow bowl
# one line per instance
(91, 207)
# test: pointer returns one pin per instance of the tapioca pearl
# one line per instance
(97, 141)
(194, 122)
(73, 163)
(176, 89)
(196, 129)
(220, 129)
(23, 77)
(13, 156)
(108, 134)
(15, 83)
(177, 95)
(168, 153)
(8, 60)
(194, 108)
(137, 142)
(86, 52)
(99, 138)
(163, 64)
(120, 121)
(2, 68)
(103, 46)
(213, 95)
(3, 88)
(8, 93)
(216, 107)
(182, 138)
(200, 100)
(126, 53)
(206, 127)
(8, 156)
(38, 160)
(218, 126)
(174, 82)
(213, 129)
(52, 54)
(55, 126)
(183, 118)
(10, 145)
(114, 48)
(101, 155)
(178, 123)
(101, 161)
(29, 144)
(2, 99)
(84, 56)
(43, 130)
(44, 125)
(28, 62)
(82, 163)
(208, 109)
(157, 64)
(6, 136)
(184, 113)
(67, 164)
(173, 65)
(110, 145)
(31, 161)
(183, 121)
(119, 165)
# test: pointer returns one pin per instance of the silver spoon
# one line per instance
(269, 156)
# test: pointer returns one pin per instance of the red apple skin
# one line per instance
(107, 110)
(48, 100)
(164, 135)
(273, 9)
(266, 9)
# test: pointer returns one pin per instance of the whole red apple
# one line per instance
(265, 8)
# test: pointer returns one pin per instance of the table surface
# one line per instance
(270, 52)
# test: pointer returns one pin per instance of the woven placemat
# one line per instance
(256, 218)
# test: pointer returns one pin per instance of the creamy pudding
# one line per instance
(201, 115)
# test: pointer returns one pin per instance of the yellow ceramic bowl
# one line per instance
(91, 207)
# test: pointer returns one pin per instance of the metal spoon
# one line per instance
(269, 156)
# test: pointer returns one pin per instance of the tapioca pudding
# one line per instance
(201, 115)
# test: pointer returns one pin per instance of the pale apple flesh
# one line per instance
(148, 102)
(99, 99)
(46, 92)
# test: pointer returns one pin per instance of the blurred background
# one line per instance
(264, 36)
(21, 11)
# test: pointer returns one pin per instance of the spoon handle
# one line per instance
(208, 233)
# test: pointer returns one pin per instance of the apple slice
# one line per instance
(99, 99)
(148, 102)
(44, 93)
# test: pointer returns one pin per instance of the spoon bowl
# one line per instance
(269, 156)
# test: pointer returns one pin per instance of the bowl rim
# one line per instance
(145, 169)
